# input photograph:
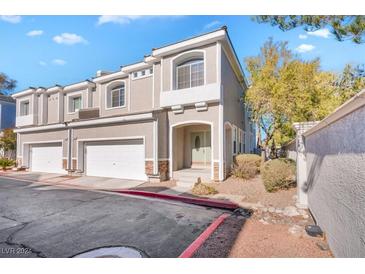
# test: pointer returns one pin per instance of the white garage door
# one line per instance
(123, 159)
(46, 158)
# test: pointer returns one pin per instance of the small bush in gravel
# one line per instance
(278, 174)
(203, 189)
(246, 166)
(5, 162)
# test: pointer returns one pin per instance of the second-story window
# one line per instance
(24, 108)
(190, 74)
(116, 96)
(75, 103)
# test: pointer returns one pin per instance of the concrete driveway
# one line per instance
(91, 182)
(48, 221)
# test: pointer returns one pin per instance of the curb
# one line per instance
(197, 201)
(194, 246)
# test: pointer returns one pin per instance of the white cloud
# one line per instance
(212, 24)
(303, 36)
(324, 33)
(69, 39)
(14, 19)
(59, 62)
(35, 33)
(127, 19)
(42, 63)
(305, 48)
(117, 19)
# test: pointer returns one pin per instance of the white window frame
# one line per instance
(117, 89)
(181, 58)
(72, 96)
(147, 71)
(243, 141)
(21, 103)
(234, 140)
(198, 61)
(108, 90)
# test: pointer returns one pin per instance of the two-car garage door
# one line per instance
(46, 158)
(117, 159)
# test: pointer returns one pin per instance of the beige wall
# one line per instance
(178, 147)
(141, 94)
(190, 114)
(187, 141)
(211, 66)
(53, 108)
(115, 131)
(102, 96)
(163, 135)
(39, 110)
(232, 93)
(70, 116)
(157, 84)
(46, 136)
(32, 107)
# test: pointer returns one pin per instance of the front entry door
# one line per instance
(200, 149)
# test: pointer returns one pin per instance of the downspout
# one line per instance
(69, 147)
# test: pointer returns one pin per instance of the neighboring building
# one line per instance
(180, 108)
(7, 112)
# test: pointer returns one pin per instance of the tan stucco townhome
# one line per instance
(179, 109)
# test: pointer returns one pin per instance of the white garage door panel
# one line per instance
(124, 160)
(47, 158)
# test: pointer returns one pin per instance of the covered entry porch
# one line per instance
(191, 151)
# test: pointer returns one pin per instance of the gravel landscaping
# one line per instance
(275, 217)
(253, 192)
(258, 240)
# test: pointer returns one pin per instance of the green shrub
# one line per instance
(278, 174)
(246, 166)
(5, 162)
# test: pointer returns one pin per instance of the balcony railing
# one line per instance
(26, 120)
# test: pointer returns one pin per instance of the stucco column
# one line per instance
(300, 128)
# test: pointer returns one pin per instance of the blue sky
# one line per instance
(47, 50)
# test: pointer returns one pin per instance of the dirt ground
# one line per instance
(258, 240)
(276, 228)
(253, 191)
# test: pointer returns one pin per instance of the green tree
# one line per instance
(285, 89)
(6, 84)
(350, 81)
(8, 142)
(344, 27)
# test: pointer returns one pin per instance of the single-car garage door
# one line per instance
(46, 158)
(118, 159)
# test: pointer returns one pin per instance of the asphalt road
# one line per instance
(43, 221)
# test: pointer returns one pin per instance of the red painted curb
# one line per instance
(196, 201)
(189, 252)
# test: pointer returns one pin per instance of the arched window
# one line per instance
(116, 96)
(190, 73)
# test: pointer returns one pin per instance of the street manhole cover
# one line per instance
(112, 252)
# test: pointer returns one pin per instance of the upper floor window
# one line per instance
(190, 74)
(234, 143)
(116, 96)
(142, 73)
(24, 108)
(75, 103)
